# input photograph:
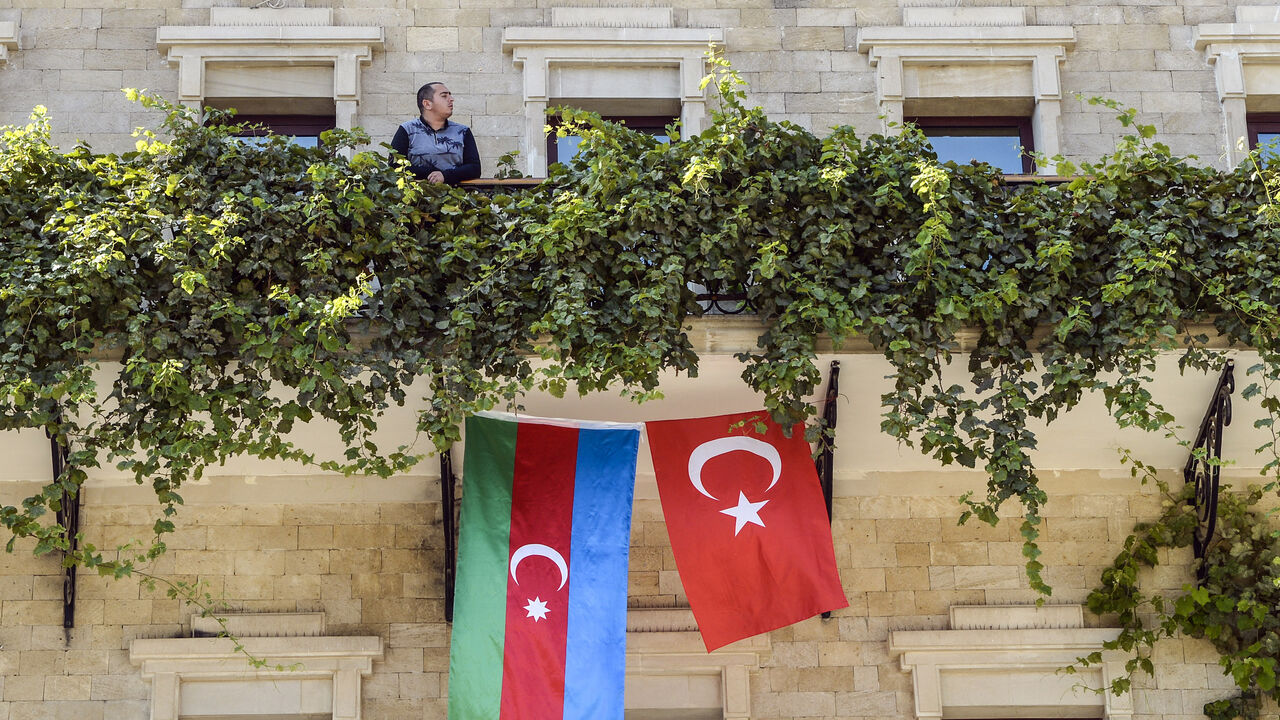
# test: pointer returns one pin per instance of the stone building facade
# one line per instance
(941, 622)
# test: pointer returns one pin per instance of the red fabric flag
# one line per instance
(748, 524)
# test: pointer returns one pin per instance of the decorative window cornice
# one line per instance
(664, 644)
(8, 39)
(276, 38)
(990, 45)
(312, 664)
(608, 40)
(971, 671)
(1243, 54)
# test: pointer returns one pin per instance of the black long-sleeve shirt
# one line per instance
(451, 150)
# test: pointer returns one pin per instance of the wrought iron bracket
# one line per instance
(825, 460)
(1203, 468)
(68, 516)
(448, 501)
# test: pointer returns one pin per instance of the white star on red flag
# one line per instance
(745, 512)
(537, 609)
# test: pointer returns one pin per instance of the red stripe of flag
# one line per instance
(541, 515)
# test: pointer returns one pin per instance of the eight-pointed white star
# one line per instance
(745, 512)
(537, 609)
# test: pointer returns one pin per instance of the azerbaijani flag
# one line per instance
(540, 608)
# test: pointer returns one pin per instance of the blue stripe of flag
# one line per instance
(595, 664)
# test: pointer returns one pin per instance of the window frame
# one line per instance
(634, 122)
(289, 125)
(1258, 123)
(1026, 134)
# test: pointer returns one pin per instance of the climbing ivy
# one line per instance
(242, 289)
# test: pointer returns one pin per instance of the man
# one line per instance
(439, 151)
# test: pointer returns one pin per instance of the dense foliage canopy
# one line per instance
(246, 288)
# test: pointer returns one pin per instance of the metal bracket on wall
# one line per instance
(825, 461)
(68, 516)
(447, 503)
(1203, 469)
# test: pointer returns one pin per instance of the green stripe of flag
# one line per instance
(480, 599)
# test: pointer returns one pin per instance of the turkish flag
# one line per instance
(748, 523)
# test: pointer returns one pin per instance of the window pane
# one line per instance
(567, 146)
(999, 147)
(1269, 143)
(307, 141)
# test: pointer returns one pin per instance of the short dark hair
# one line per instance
(427, 92)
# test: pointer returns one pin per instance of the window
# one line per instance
(267, 61)
(982, 64)
(1005, 143)
(206, 677)
(671, 676)
(1003, 661)
(303, 130)
(1247, 72)
(620, 62)
(562, 149)
(1264, 132)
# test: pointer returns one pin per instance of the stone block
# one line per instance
(205, 562)
(837, 17)
(364, 536)
(253, 537)
(1146, 81)
(62, 38)
(127, 612)
(808, 704)
(813, 38)
(432, 39)
(404, 561)
(315, 537)
(67, 687)
(306, 562)
(415, 635)
(31, 612)
(259, 562)
(866, 704)
(1126, 61)
(958, 553)
(913, 530)
(354, 561)
(24, 687)
(753, 40)
(908, 578)
(417, 685)
(297, 587)
(120, 687)
(250, 587)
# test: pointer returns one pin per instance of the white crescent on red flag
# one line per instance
(747, 521)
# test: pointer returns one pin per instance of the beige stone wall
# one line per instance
(375, 569)
(801, 63)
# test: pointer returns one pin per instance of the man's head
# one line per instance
(435, 102)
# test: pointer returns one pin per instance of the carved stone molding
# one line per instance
(668, 667)
(1011, 671)
(208, 676)
(325, 58)
(1246, 61)
(986, 54)
(8, 40)
(608, 58)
